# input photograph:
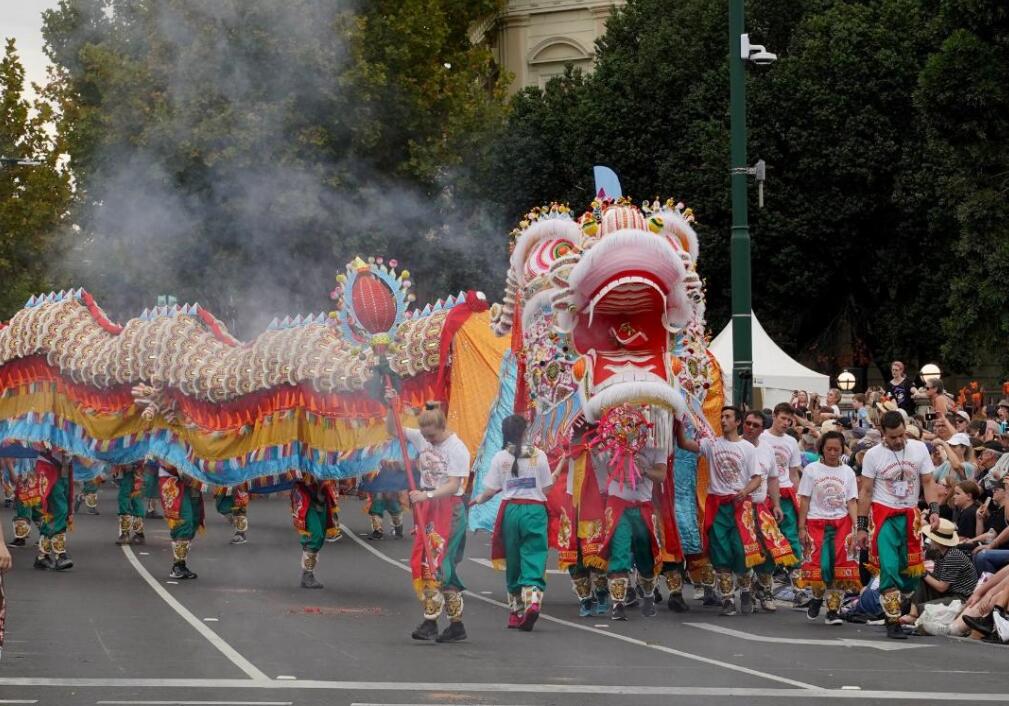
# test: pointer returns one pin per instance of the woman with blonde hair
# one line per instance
(443, 463)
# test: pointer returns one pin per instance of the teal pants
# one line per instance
(385, 502)
(525, 541)
(132, 506)
(190, 515)
(725, 548)
(789, 526)
(892, 546)
(59, 507)
(315, 525)
(631, 546)
(453, 552)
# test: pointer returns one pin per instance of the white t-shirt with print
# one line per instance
(897, 474)
(533, 476)
(439, 462)
(731, 464)
(829, 488)
(765, 467)
(786, 455)
(641, 491)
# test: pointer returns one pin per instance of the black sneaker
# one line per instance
(123, 539)
(895, 631)
(17, 542)
(813, 609)
(43, 562)
(63, 562)
(728, 607)
(657, 595)
(77, 503)
(710, 599)
(138, 539)
(376, 534)
(428, 630)
(181, 572)
(677, 604)
(746, 602)
(397, 531)
(633, 598)
(833, 618)
(455, 632)
(239, 538)
(648, 606)
(984, 625)
(308, 580)
(93, 511)
(154, 515)
(618, 612)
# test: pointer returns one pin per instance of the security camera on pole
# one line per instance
(741, 51)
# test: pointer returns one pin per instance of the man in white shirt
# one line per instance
(893, 474)
(788, 460)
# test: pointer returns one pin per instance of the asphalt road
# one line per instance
(114, 630)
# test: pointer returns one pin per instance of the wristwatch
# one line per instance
(429, 494)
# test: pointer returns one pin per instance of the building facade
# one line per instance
(533, 40)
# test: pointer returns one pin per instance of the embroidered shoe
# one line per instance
(813, 609)
(710, 599)
(455, 632)
(376, 534)
(833, 618)
(895, 631)
(767, 604)
(530, 617)
(17, 542)
(602, 603)
(728, 607)
(397, 531)
(677, 604)
(428, 630)
(239, 538)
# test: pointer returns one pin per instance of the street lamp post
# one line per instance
(739, 245)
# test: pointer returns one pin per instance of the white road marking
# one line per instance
(19, 701)
(612, 635)
(838, 642)
(490, 565)
(197, 703)
(210, 620)
(747, 693)
(212, 637)
(288, 677)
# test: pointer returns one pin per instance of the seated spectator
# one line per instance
(944, 491)
(986, 460)
(941, 428)
(949, 463)
(963, 456)
(1002, 416)
(830, 409)
(991, 519)
(800, 401)
(966, 500)
(952, 576)
(937, 398)
(979, 433)
(991, 557)
(989, 597)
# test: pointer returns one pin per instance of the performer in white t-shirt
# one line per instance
(893, 474)
(789, 462)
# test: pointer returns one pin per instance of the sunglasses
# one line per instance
(753, 424)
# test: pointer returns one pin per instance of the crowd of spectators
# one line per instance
(968, 555)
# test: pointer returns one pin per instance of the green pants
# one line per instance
(892, 547)
(226, 505)
(59, 506)
(789, 526)
(725, 548)
(382, 503)
(132, 506)
(631, 546)
(89, 487)
(315, 525)
(22, 511)
(453, 552)
(151, 491)
(190, 515)
(525, 541)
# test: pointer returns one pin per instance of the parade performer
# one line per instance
(314, 509)
(766, 501)
(182, 503)
(233, 503)
(789, 464)
(381, 494)
(152, 494)
(522, 475)
(576, 509)
(21, 478)
(828, 507)
(627, 466)
(670, 547)
(443, 462)
(131, 504)
(88, 496)
(730, 526)
(48, 494)
(893, 474)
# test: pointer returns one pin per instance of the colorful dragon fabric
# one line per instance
(603, 311)
(172, 385)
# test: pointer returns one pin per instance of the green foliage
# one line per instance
(33, 199)
(883, 126)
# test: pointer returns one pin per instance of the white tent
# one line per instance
(775, 374)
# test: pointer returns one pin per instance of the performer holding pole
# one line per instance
(439, 513)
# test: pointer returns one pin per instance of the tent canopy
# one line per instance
(775, 374)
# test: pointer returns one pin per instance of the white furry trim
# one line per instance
(541, 230)
(659, 394)
(676, 226)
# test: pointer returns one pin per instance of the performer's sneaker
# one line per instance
(767, 604)
(648, 606)
(138, 539)
(63, 562)
(710, 599)
(530, 617)
(123, 539)
(181, 572)
(17, 542)
(677, 604)
(78, 500)
(833, 618)
(43, 562)
(397, 531)
(746, 602)
(455, 632)
(93, 511)
(728, 607)
(376, 534)
(633, 597)
(239, 538)
(586, 608)
(154, 515)
(618, 612)
(895, 631)
(428, 630)
(308, 580)
(514, 620)
(602, 603)
(813, 609)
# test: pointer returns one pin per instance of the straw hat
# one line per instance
(884, 406)
(829, 425)
(945, 534)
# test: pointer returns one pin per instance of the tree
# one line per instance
(33, 199)
(240, 153)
